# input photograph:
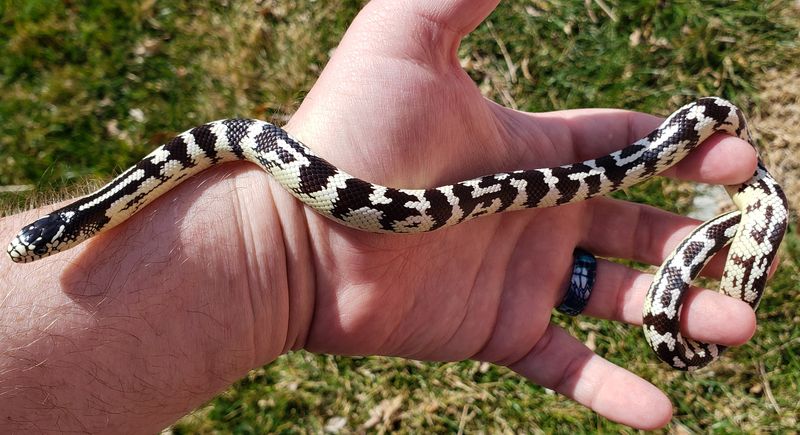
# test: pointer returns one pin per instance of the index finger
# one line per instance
(721, 159)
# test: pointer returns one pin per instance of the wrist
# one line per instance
(152, 318)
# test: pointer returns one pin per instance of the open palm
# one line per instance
(394, 107)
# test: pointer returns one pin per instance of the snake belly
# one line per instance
(366, 206)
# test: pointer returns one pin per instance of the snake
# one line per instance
(754, 231)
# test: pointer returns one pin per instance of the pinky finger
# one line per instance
(565, 365)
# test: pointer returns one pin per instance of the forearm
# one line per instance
(135, 328)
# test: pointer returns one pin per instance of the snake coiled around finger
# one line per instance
(756, 229)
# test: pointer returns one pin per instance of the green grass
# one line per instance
(89, 87)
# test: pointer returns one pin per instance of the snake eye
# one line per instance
(42, 233)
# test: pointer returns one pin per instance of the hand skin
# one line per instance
(135, 328)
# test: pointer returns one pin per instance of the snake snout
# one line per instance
(37, 240)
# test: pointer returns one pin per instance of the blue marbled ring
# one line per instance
(584, 270)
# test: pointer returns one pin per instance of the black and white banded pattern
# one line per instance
(370, 207)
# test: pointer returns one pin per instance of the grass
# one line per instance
(89, 87)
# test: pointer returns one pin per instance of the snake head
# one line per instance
(40, 239)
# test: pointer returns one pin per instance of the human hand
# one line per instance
(394, 107)
(154, 317)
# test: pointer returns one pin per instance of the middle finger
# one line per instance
(626, 230)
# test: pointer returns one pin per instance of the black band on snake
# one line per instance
(756, 230)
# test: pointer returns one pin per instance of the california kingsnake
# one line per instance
(370, 207)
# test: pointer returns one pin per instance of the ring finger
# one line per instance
(619, 292)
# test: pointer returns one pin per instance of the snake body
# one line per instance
(370, 207)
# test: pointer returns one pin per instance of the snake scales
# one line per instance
(756, 230)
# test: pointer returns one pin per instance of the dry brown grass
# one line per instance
(776, 124)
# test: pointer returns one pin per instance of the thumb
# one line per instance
(460, 16)
(432, 25)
